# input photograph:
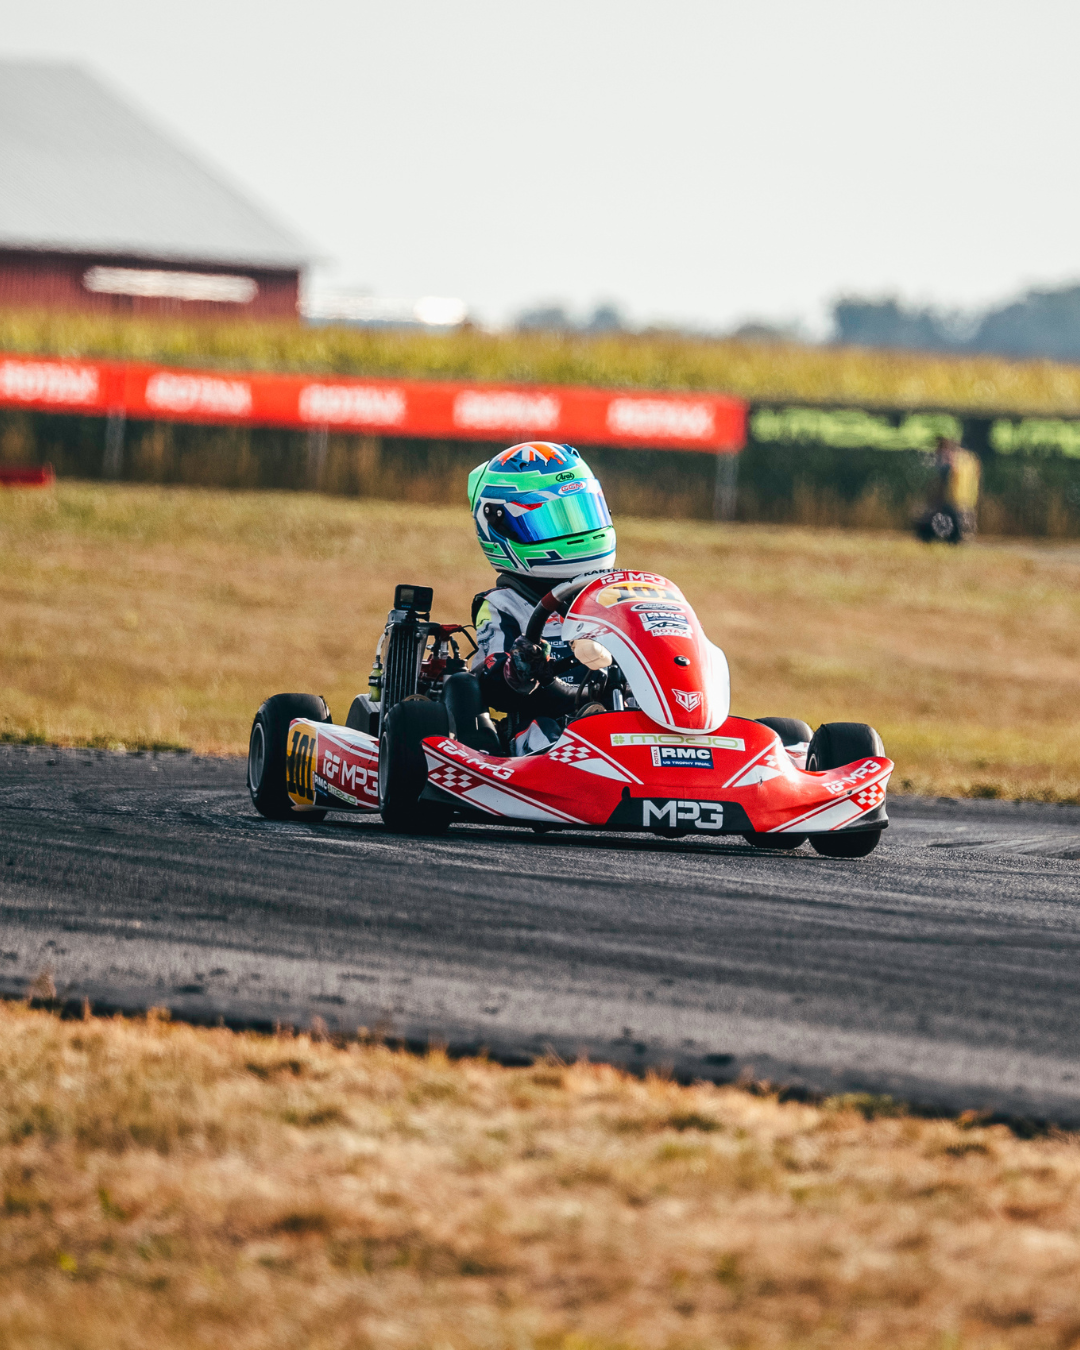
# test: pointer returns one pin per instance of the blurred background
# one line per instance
(895, 174)
(853, 224)
(860, 213)
(757, 200)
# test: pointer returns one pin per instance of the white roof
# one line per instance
(82, 172)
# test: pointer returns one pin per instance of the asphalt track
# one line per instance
(943, 969)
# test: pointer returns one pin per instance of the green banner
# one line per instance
(1035, 435)
(851, 428)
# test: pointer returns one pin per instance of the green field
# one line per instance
(655, 360)
(141, 616)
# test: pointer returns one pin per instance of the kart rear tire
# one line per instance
(267, 746)
(403, 767)
(791, 730)
(835, 744)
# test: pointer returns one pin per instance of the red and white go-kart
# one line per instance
(651, 747)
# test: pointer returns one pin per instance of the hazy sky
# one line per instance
(692, 161)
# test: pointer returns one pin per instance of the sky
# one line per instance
(699, 162)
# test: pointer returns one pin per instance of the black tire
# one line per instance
(835, 744)
(791, 730)
(785, 842)
(403, 768)
(940, 527)
(363, 715)
(855, 845)
(267, 747)
(401, 664)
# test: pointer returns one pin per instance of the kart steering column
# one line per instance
(557, 601)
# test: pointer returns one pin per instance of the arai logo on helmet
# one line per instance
(687, 699)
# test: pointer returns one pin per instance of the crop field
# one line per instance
(146, 616)
(168, 1186)
(654, 360)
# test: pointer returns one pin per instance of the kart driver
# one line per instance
(541, 518)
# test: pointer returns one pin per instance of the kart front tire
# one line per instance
(840, 845)
(267, 747)
(833, 745)
(363, 715)
(403, 767)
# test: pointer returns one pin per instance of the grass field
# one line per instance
(651, 360)
(166, 1186)
(143, 616)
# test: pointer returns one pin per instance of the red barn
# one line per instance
(100, 210)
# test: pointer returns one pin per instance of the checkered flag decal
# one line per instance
(870, 797)
(569, 754)
(453, 778)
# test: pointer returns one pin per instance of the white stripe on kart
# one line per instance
(745, 768)
(488, 795)
(822, 813)
(623, 775)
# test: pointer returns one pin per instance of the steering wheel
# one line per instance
(557, 601)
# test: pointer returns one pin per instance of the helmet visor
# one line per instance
(538, 517)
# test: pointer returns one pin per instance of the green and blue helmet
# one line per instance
(540, 512)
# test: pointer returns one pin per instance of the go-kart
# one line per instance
(650, 746)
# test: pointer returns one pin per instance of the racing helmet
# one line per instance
(540, 511)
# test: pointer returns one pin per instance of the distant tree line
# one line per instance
(605, 318)
(1041, 323)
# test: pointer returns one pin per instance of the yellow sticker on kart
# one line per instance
(621, 591)
(670, 738)
(302, 746)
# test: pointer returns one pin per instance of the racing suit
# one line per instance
(514, 676)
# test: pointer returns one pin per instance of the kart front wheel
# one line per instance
(840, 845)
(833, 745)
(266, 754)
(403, 767)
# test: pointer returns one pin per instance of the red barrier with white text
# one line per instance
(713, 423)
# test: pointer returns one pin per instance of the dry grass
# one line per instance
(651, 360)
(166, 1186)
(141, 615)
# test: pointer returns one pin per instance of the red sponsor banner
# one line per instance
(714, 423)
(27, 475)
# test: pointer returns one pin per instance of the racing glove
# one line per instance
(526, 666)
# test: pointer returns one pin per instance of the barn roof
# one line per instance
(82, 172)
